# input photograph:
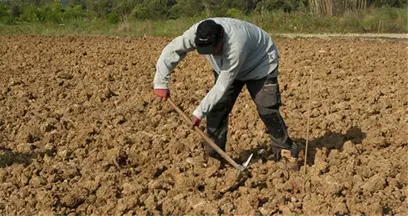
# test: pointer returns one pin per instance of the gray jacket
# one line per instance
(248, 54)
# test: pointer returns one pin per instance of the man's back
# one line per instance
(258, 51)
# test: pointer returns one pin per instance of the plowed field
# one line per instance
(82, 133)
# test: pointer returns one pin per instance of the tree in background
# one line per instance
(336, 7)
(125, 7)
(101, 7)
(186, 8)
(115, 10)
(387, 3)
(159, 9)
(284, 5)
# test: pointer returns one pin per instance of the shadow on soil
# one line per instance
(8, 157)
(330, 140)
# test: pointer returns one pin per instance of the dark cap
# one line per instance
(208, 35)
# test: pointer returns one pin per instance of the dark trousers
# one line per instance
(265, 93)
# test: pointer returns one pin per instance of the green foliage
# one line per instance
(4, 11)
(384, 20)
(113, 18)
(186, 8)
(73, 12)
(234, 13)
(50, 13)
(56, 12)
(388, 3)
(272, 22)
(101, 7)
(5, 15)
(240, 5)
(284, 5)
(286, 15)
(57, 6)
(125, 7)
(140, 12)
(159, 9)
(15, 11)
(30, 14)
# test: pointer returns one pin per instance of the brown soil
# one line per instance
(81, 132)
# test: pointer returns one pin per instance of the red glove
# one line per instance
(163, 93)
(196, 121)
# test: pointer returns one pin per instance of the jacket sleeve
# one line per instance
(171, 55)
(231, 66)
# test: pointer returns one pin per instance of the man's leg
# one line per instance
(266, 95)
(217, 118)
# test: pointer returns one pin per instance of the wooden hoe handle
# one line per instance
(206, 138)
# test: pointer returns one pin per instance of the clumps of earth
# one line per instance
(81, 132)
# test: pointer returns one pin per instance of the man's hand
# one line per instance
(195, 122)
(163, 93)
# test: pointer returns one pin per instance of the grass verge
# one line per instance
(379, 20)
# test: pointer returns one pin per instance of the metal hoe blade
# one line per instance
(244, 166)
(247, 162)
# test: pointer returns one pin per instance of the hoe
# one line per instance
(209, 141)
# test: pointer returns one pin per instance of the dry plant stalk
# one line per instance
(321, 7)
(336, 7)
(308, 118)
